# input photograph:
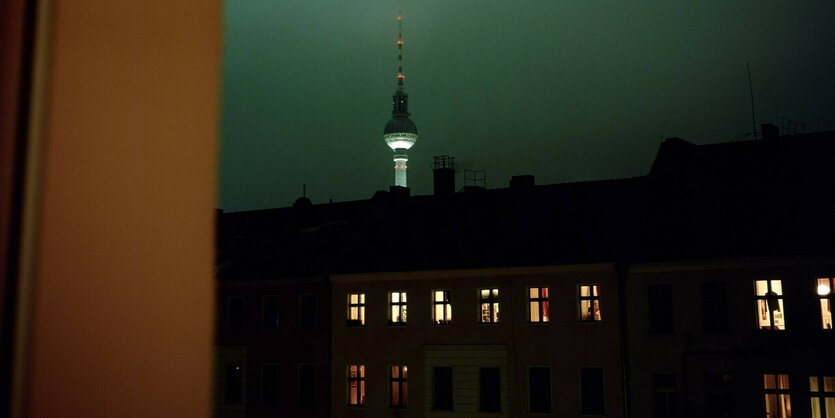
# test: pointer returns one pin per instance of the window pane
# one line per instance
(442, 391)
(534, 309)
(490, 390)
(591, 391)
(660, 298)
(539, 389)
(269, 384)
(235, 312)
(269, 312)
(234, 380)
(714, 307)
(308, 311)
(307, 384)
(533, 292)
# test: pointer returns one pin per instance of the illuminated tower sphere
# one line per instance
(400, 132)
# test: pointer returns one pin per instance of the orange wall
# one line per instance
(122, 298)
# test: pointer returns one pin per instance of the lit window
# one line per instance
(356, 309)
(770, 313)
(660, 297)
(397, 308)
(777, 401)
(589, 303)
(270, 315)
(539, 309)
(664, 400)
(442, 389)
(356, 385)
(398, 383)
(489, 305)
(442, 307)
(825, 294)
(539, 389)
(822, 393)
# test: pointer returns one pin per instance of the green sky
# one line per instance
(563, 90)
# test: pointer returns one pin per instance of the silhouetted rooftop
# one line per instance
(764, 198)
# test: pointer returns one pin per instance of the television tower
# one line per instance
(400, 132)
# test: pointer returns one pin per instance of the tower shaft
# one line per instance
(400, 161)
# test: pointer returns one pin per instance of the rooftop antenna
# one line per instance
(751, 92)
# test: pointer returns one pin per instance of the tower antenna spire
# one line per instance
(400, 75)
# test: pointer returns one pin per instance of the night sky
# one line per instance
(564, 90)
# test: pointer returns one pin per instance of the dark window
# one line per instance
(591, 391)
(307, 384)
(714, 308)
(235, 312)
(442, 390)
(269, 384)
(719, 401)
(269, 312)
(490, 399)
(660, 298)
(307, 311)
(234, 381)
(539, 389)
(664, 402)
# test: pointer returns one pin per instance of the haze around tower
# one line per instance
(566, 91)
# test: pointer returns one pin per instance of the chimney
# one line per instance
(770, 131)
(525, 182)
(443, 171)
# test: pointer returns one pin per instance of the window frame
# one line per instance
(299, 368)
(660, 309)
(825, 299)
(763, 301)
(597, 315)
(820, 395)
(262, 389)
(550, 402)
(350, 320)
(359, 380)
(665, 384)
(229, 323)
(602, 391)
(401, 383)
(777, 391)
(401, 306)
(540, 302)
(277, 318)
(435, 389)
(315, 319)
(484, 405)
(492, 301)
(445, 305)
(234, 398)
